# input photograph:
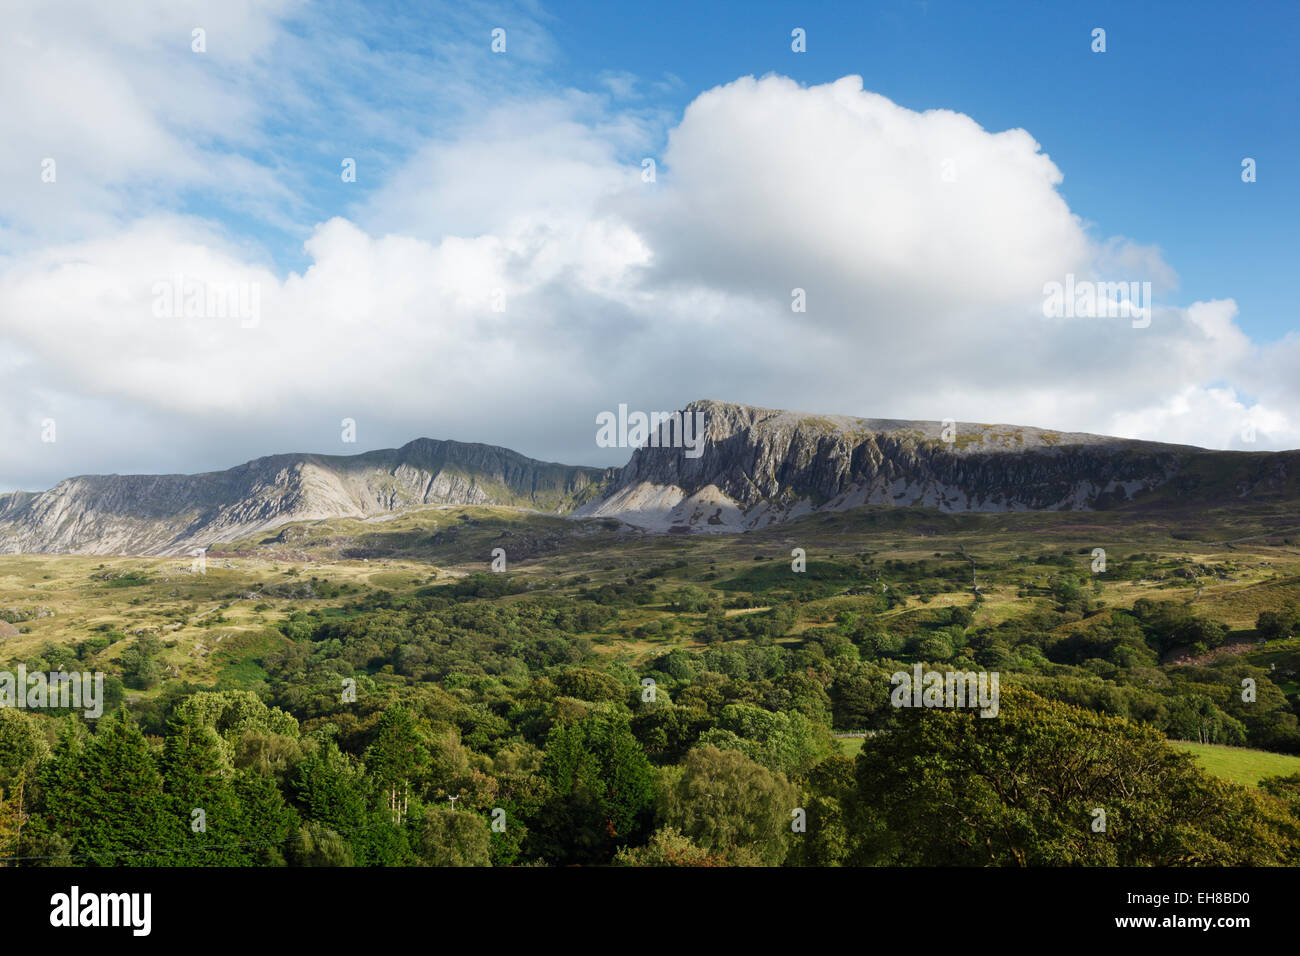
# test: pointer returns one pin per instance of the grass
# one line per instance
(252, 584)
(850, 746)
(1240, 764)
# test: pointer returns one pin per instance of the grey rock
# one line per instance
(173, 514)
(759, 467)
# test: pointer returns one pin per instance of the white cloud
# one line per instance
(770, 181)
(924, 296)
(1194, 413)
(114, 94)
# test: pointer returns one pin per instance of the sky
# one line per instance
(441, 220)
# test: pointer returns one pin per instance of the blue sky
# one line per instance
(483, 173)
(1150, 135)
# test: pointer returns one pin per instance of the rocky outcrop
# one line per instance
(171, 514)
(763, 466)
(758, 467)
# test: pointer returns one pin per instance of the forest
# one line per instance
(481, 720)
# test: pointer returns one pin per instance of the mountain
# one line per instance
(171, 514)
(763, 466)
(757, 467)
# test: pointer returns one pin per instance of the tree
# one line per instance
(202, 816)
(948, 787)
(586, 684)
(829, 802)
(399, 752)
(332, 791)
(1067, 591)
(315, 845)
(106, 796)
(140, 667)
(788, 742)
(22, 745)
(603, 790)
(668, 847)
(729, 805)
(1195, 717)
(1274, 625)
(12, 817)
(265, 820)
(448, 837)
(666, 733)
(859, 696)
(231, 713)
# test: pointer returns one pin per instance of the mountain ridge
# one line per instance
(171, 514)
(758, 467)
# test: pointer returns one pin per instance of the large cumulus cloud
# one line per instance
(518, 276)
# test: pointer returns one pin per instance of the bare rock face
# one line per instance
(758, 467)
(171, 514)
(763, 466)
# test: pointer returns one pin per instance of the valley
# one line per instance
(393, 693)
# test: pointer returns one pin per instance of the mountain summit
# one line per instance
(758, 467)
(764, 466)
(170, 514)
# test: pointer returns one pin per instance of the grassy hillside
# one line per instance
(760, 648)
(1241, 764)
(899, 568)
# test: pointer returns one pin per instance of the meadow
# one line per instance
(763, 653)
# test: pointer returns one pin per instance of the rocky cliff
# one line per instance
(171, 514)
(762, 466)
(758, 467)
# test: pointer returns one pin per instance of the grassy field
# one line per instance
(892, 565)
(851, 746)
(1240, 764)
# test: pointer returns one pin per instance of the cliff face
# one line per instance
(758, 467)
(763, 466)
(171, 514)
